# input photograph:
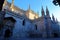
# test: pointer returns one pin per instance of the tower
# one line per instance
(28, 11)
(12, 5)
(48, 23)
(42, 11)
(47, 12)
(53, 18)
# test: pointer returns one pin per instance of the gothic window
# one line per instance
(23, 22)
(36, 27)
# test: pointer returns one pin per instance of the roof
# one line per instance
(32, 12)
(15, 7)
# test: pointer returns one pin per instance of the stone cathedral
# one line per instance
(27, 23)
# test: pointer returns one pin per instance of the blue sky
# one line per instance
(36, 5)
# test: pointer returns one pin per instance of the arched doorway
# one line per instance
(55, 34)
(7, 33)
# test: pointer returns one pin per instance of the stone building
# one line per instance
(27, 23)
(12, 7)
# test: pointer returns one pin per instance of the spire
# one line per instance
(42, 11)
(56, 20)
(47, 11)
(53, 17)
(12, 3)
(29, 7)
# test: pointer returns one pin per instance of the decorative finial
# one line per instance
(46, 8)
(29, 7)
(42, 11)
(12, 5)
(53, 17)
(56, 20)
(47, 11)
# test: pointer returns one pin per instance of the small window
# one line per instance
(23, 22)
(36, 27)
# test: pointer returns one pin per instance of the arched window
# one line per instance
(23, 22)
(36, 27)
